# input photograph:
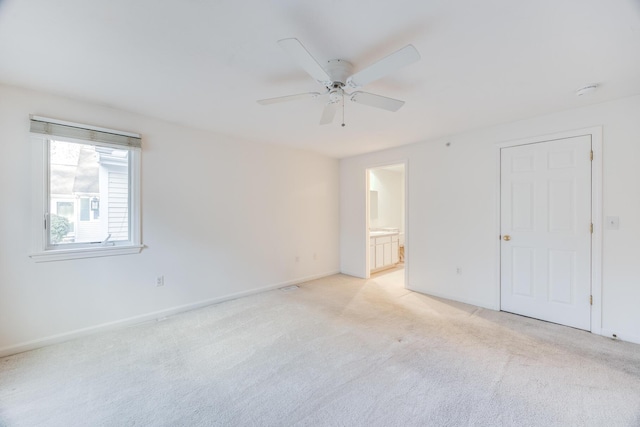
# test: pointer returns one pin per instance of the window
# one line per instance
(84, 209)
(87, 202)
(65, 210)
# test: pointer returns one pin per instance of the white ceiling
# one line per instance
(205, 63)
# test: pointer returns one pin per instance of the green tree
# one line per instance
(59, 228)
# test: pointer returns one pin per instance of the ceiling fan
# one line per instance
(337, 75)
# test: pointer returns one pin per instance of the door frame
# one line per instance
(407, 252)
(596, 213)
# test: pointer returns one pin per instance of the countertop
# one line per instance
(382, 233)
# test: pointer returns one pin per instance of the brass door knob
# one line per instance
(506, 237)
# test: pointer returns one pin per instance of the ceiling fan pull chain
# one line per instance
(343, 109)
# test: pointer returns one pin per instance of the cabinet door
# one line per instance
(372, 257)
(379, 256)
(387, 253)
(394, 252)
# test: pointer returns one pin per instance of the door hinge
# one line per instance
(591, 155)
(590, 299)
(591, 228)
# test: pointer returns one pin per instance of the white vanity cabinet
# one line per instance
(383, 251)
(395, 250)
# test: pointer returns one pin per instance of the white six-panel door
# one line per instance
(546, 231)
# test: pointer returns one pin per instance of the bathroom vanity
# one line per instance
(383, 249)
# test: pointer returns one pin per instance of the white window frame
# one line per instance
(41, 251)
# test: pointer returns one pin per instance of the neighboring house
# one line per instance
(113, 174)
(89, 189)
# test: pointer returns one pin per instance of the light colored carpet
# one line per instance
(337, 351)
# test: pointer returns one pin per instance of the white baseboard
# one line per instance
(456, 299)
(596, 331)
(352, 274)
(620, 336)
(117, 324)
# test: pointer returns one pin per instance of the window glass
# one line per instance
(92, 181)
(84, 209)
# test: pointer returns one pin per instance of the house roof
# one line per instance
(204, 64)
(86, 177)
(74, 170)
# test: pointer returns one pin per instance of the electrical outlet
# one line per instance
(315, 257)
(159, 281)
(458, 270)
(297, 259)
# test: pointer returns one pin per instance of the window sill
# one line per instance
(66, 254)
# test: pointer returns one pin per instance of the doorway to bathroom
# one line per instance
(387, 223)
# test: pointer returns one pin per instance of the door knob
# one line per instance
(506, 237)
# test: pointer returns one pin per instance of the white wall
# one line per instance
(390, 186)
(221, 217)
(452, 218)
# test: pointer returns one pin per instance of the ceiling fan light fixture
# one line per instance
(336, 95)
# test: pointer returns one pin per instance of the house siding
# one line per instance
(118, 206)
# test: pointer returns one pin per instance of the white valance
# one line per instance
(62, 129)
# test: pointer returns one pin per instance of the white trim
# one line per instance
(405, 163)
(596, 238)
(550, 137)
(407, 252)
(155, 315)
(454, 298)
(79, 253)
(620, 336)
(135, 197)
(596, 212)
(352, 274)
(83, 126)
(498, 225)
(367, 224)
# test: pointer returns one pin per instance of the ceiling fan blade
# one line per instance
(377, 101)
(288, 98)
(304, 59)
(329, 113)
(400, 58)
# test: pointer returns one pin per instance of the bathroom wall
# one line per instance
(389, 184)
